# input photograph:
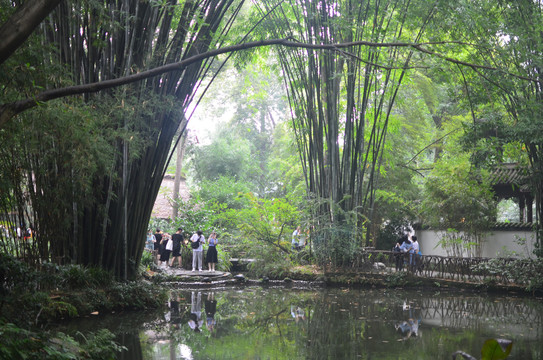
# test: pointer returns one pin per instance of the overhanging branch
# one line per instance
(7, 111)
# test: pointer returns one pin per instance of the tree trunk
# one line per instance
(178, 167)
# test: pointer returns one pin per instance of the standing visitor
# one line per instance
(168, 247)
(406, 245)
(415, 252)
(295, 236)
(177, 240)
(196, 241)
(399, 249)
(211, 256)
(405, 249)
(158, 244)
(149, 241)
(415, 244)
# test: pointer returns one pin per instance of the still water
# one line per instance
(289, 323)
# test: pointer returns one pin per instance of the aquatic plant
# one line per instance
(493, 349)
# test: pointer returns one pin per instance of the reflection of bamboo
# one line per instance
(173, 347)
(454, 268)
(264, 321)
(458, 311)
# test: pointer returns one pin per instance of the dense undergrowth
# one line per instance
(31, 298)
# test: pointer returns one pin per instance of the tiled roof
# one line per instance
(510, 175)
(511, 226)
(497, 226)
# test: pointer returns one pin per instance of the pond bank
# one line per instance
(312, 276)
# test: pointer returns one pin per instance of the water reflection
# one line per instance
(276, 323)
(195, 319)
(211, 309)
(410, 326)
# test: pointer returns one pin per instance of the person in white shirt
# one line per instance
(197, 240)
(415, 257)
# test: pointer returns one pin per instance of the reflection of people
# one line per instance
(297, 313)
(211, 308)
(175, 316)
(195, 319)
(197, 252)
(411, 326)
(404, 328)
(408, 328)
(414, 326)
(211, 256)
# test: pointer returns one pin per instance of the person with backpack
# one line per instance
(196, 242)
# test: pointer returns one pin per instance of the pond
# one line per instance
(332, 323)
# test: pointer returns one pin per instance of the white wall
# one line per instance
(494, 245)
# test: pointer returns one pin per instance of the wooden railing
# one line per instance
(478, 270)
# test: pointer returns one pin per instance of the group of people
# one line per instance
(407, 246)
(165, 246)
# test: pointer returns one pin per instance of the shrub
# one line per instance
(19, 343)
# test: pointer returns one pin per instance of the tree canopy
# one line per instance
(94, 94)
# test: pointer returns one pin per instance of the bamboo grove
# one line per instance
(84, 172)
(96, 213)
(342, 100)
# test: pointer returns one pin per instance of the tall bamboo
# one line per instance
(96, 41)
(343, 100)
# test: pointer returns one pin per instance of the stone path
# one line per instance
(204, 274)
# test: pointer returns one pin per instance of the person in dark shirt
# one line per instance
(158, 246)
(178, 241)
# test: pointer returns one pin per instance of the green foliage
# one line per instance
(284, 164)
(269, 263)
(390, 232)
(493, 349)
(135, 295)
(194, 215)
(223, 190)
(398, 279)
(457, 198)
(523, 272)
(147, 260)
(496, 349)
(228, 155)
(73, 154)
(223, 256)
(31, 297)
(60, 310)
(15, 276)
(337, 245)
(264, 221)
(21, 344)
(102, 345)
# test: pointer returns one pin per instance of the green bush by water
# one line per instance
(19, 343)
(30, 297)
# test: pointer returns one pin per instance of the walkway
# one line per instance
(188, 274)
